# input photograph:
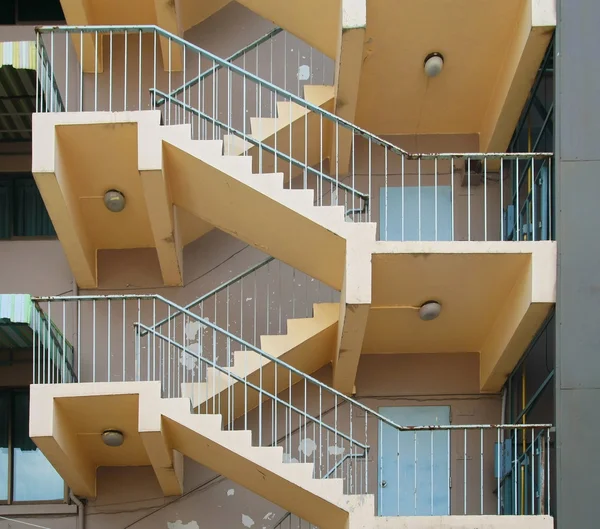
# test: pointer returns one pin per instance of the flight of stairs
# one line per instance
(296, 132)
(308, 345)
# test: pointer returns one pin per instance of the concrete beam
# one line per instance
(89, 49)
(165, 228)
(526, 307)
(166, 18)
(348, 68)
(52, 433)
(354, 311)
(50, 172)
(532, 34)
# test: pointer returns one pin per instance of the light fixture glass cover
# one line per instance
(433, 65)
(114, 200)
(113, 438)
(430, 310)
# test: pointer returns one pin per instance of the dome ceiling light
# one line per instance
(433, 65)
(114, 201)
(430, 310)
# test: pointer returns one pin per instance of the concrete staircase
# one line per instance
(296, 132)
(308, 345)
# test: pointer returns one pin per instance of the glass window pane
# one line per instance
(4, 414)
(34, 477)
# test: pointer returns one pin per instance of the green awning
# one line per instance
(18, 78)
(16, 312)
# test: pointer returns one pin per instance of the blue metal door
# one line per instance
(416, 213)
(414, 467)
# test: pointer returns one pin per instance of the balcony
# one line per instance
(130, 365)
(216, 146)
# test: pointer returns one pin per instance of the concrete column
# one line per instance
(577, 174)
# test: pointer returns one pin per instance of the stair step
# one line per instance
(318, 95)
(234, 145)
(328, 215)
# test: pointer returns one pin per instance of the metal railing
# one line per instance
(258, 301)
(475, 469)
(450, 196)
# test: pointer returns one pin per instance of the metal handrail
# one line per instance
(284, 93)
(284, 365)
(214, 69)
(269, 149)
(214, 292)
(245, 381)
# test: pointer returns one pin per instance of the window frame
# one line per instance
(12, 177)
(11, 391)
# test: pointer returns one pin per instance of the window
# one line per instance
(30, 12)
(25, 474)
(22, 210)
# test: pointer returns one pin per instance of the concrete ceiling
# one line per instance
(478, 41)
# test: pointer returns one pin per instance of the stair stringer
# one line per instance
(308, 345)
(260, 211)
(261, 469)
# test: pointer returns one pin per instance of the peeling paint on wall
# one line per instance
(230, 492)
(247, 521)
(269, 516)
(288, 458)
(180, 525)
(307, 446)
(303, 72)
(336, 450)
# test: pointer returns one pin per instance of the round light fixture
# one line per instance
(114, 200)
(112, 438)
(430, 310)
(433, 65)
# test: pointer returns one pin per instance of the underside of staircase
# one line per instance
(67, 420)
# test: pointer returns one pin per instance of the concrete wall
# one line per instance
(578, 297)
(131, 497)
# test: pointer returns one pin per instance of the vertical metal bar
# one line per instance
(64, 343)
(515, 462)
(94, 340)
(170, 77)
(533, 449)
(78, 341)
(449, 470)
(124, 344)
(140, 80)
(38, 70)
(499, 466)
(431, 432)
(485, 199)
(416, 464)
(108, 326)
(501, 199)
(481, 471)
(52, 71)
(96, 72)
(110, 68)
(81, 72)
(435, 200)
(469, 199)
(66, 73)
(453, 197)
(548, 471)
(370, 174)
(125, 73)
(152, 99)
(533, 184)
(550, 217)
(465, 473)
(517, 205)
(402, 188)
(385, 187)
(419, 193)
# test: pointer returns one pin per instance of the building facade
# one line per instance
(273, 269)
